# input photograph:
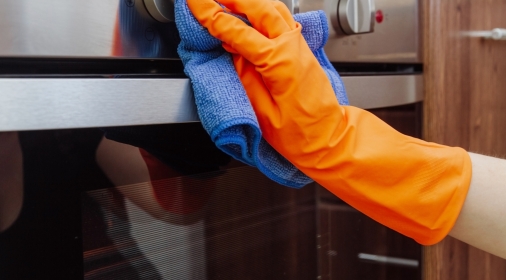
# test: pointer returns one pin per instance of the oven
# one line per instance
(106, 172)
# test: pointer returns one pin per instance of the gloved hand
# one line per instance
(414, 187)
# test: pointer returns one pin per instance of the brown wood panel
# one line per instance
(349, 233)
(465, 105)
(257, 229)
(446, 72)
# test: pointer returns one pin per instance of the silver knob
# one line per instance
(161, 10)
(354, 17)
(293, 5)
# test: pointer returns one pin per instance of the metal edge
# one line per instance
(296, 7)
(369, 92)
(342, 17)
(372, 4)
(41, 104)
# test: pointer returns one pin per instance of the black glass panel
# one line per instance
(162, 202)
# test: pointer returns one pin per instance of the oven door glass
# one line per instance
(148, 202)
(162, 202)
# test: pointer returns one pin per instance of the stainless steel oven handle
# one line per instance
(34, 104)
(37, 104)
(369, 92)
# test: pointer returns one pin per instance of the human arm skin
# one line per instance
(482, 220)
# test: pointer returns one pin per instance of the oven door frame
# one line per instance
(64, 103)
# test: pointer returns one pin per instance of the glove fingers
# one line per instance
(231, 30)
(285, 13)
(257, 91)
(262, 15)
(229, 49)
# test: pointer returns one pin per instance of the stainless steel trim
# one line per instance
(84, 29)
(36, 104)
(372, 4)
(59, 27)
(388, 260)
(370, 92)
(296, 6)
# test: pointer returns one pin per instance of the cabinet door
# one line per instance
(465, 104)
(353, 246)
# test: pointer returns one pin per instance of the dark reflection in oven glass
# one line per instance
(162, 202)
(11, 179)
(177, 214)
(53, 168)
(137, 34)
(238, 225)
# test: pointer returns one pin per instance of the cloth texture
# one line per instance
(222, 103)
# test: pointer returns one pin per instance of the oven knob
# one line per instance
(293, 5)
(161, 10)
(354, 17)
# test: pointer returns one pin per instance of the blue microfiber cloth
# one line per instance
(222, 103)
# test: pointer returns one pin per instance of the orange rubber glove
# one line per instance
(414, 187)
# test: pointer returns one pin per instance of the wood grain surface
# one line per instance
(465, 105)
(257, 229)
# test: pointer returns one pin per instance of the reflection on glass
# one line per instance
(182, 210)
(232, 224)
(11, 179)
(153, 216)
(137, 34)
(175, 208)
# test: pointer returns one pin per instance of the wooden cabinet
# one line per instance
(465, 105)
(353, 246)
(257, 229)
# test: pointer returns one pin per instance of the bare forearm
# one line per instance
(482, 220)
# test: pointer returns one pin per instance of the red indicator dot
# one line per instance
(379, 16)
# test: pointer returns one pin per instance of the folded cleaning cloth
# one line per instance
(222, 103)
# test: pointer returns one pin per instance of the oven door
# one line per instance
(107, 173)
(108, 178)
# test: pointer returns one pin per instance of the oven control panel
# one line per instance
(373, 31)
(353, 17)
(382, 31)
